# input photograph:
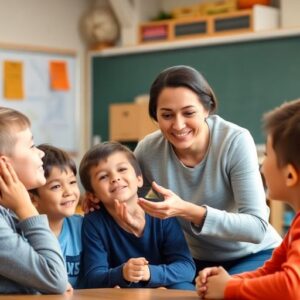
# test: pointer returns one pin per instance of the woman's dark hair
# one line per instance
(182, 76)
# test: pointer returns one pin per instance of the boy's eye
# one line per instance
(55, 187)
(73, 182)
(102, 177)
(32, 146)
(123, 169)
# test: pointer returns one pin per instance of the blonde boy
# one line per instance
(30, 257)
(58, 199)
(279, 278)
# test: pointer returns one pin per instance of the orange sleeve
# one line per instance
(278, 279)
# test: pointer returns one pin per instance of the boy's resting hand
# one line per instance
(136, 269)
(14, 195)
(211, 283)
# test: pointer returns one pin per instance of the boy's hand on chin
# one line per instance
(135, 222)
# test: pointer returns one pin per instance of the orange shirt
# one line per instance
(278, 278)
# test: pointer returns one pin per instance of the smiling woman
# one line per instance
(206, 171)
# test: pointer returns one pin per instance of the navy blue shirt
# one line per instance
(106, 247)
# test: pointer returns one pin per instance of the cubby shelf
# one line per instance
(203, 42)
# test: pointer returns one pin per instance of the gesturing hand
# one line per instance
(136, 269)
(134, 222)
(14, 195)
(172, 205)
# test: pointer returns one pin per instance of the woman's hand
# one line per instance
(172, 205)
(136, 269)
(135, 222)
(89, 203)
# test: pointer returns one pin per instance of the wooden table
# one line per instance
(112, 294)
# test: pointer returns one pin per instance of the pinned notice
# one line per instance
(59, 79)
(13, 80)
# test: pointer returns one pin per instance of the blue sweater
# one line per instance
(106, 247)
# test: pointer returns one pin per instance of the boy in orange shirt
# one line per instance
(279, 278)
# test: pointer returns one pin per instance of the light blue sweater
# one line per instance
(227, 181)
(30, 257)
(71, 247)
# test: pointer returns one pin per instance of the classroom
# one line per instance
(83, 72)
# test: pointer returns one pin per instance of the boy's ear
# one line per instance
(140, 181)
(291, 175)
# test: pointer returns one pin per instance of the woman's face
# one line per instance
(181, 117)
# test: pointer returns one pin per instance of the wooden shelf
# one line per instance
(201, 42)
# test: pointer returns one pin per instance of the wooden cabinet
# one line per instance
(129, 122)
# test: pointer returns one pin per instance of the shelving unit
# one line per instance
(239, 21)
(203, 42)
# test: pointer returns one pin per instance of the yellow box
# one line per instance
(129, 122)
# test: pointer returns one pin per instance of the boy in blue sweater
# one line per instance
(58, 199)
(123, 246)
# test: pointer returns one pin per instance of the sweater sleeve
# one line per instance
(96, 268)
(36, 256)
(278, 279)
(178, 266)
(250, 222)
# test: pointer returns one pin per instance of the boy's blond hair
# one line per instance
(11, 121)
(283, 125)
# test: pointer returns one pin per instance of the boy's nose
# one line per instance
(114, 180)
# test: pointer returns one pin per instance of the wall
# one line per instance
(53, 24)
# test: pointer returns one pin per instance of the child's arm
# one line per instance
(38, 264)
(97, 270)
(278, 279)
(178, 266)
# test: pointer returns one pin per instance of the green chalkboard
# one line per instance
(249, 78)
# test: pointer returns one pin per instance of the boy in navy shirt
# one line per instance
(123, 246)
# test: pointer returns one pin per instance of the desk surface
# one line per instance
(112, 294)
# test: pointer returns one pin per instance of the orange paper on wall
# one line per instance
(13, 80)
(59, 76)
